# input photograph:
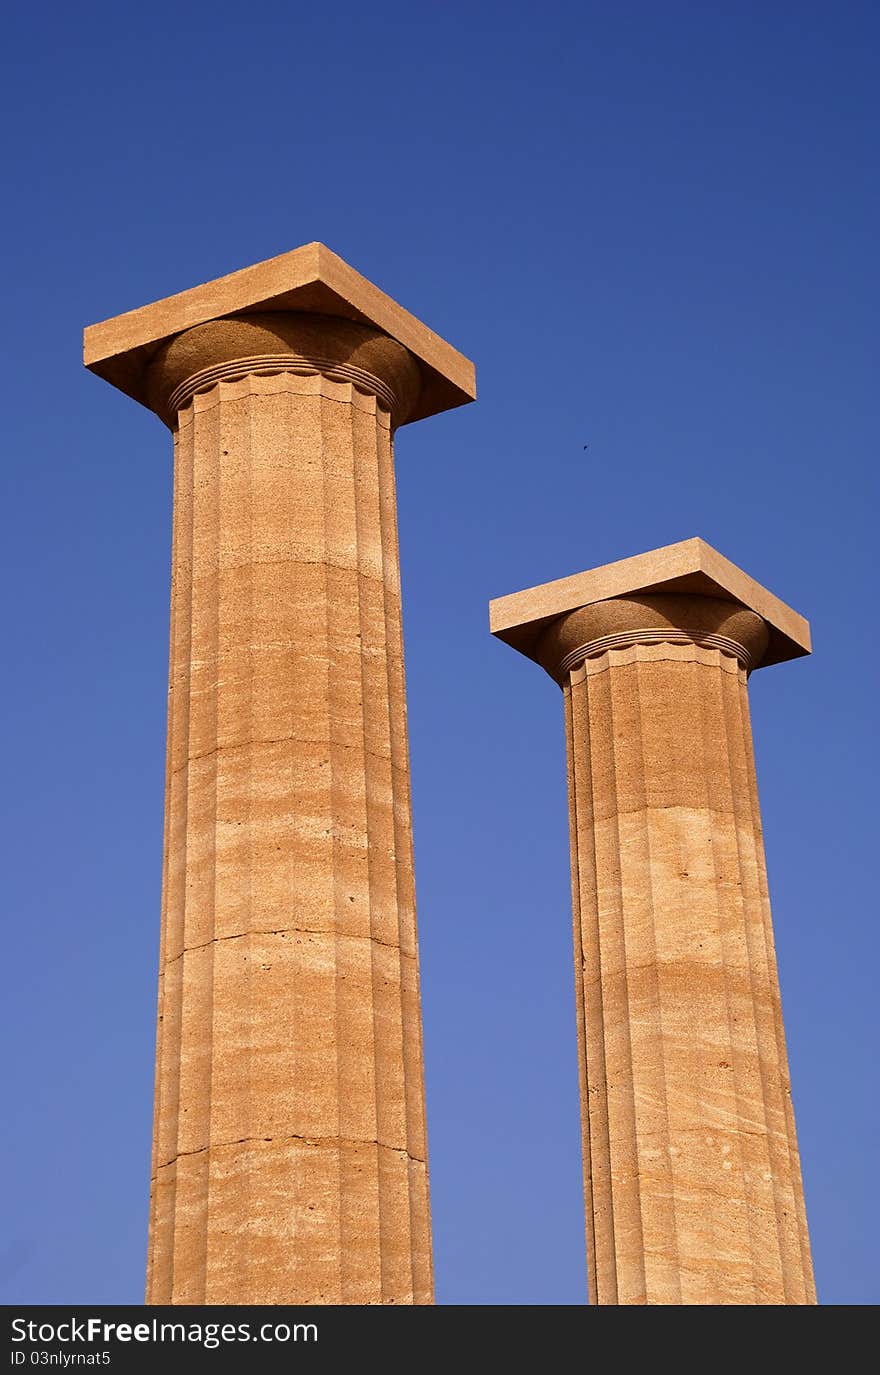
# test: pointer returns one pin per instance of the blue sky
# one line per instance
(654, 228)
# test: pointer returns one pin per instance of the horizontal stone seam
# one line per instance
(715, 1130)
(264, 365)
(275, 563)
(698, 1269)
(666, 807)
(214, 660)
(654, 659)
(667, 963)
(694, 1193)
(283, 931)
(715, 1191)
(282, 740)
(189, 413)
(307, 1140)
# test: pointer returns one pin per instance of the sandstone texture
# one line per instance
(691, 1172)
(289, 1150)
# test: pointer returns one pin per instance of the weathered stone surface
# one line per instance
(289, 1149)
(691, 1171)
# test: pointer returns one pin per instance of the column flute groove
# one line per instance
(584, 1054)
(728, 955)
(665, 1241)
(603, 1257)
(800, 1274)
(779, 1283)
(623, 1122)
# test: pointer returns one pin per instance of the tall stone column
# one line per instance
(691, 1171)
(289, 1153)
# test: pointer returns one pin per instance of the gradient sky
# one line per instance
(654, 229)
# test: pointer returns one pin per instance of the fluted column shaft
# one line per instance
(289, 1155)
(691, 1170)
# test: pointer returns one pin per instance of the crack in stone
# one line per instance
(282, 931)
(669, 807)
(307, 1140)
(654, 659)
(282, 740)
(305, 563)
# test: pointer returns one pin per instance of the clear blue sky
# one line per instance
(654, 228)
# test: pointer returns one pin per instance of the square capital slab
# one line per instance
(310, 279)
(692, 566)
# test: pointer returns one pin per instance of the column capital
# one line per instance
(233, 347)
(352, 325)
(684, 592)
(681, 618)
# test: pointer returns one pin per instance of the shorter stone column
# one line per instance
(691, 1171)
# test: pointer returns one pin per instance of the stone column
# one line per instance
(289, 1153)
(691, 1171)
